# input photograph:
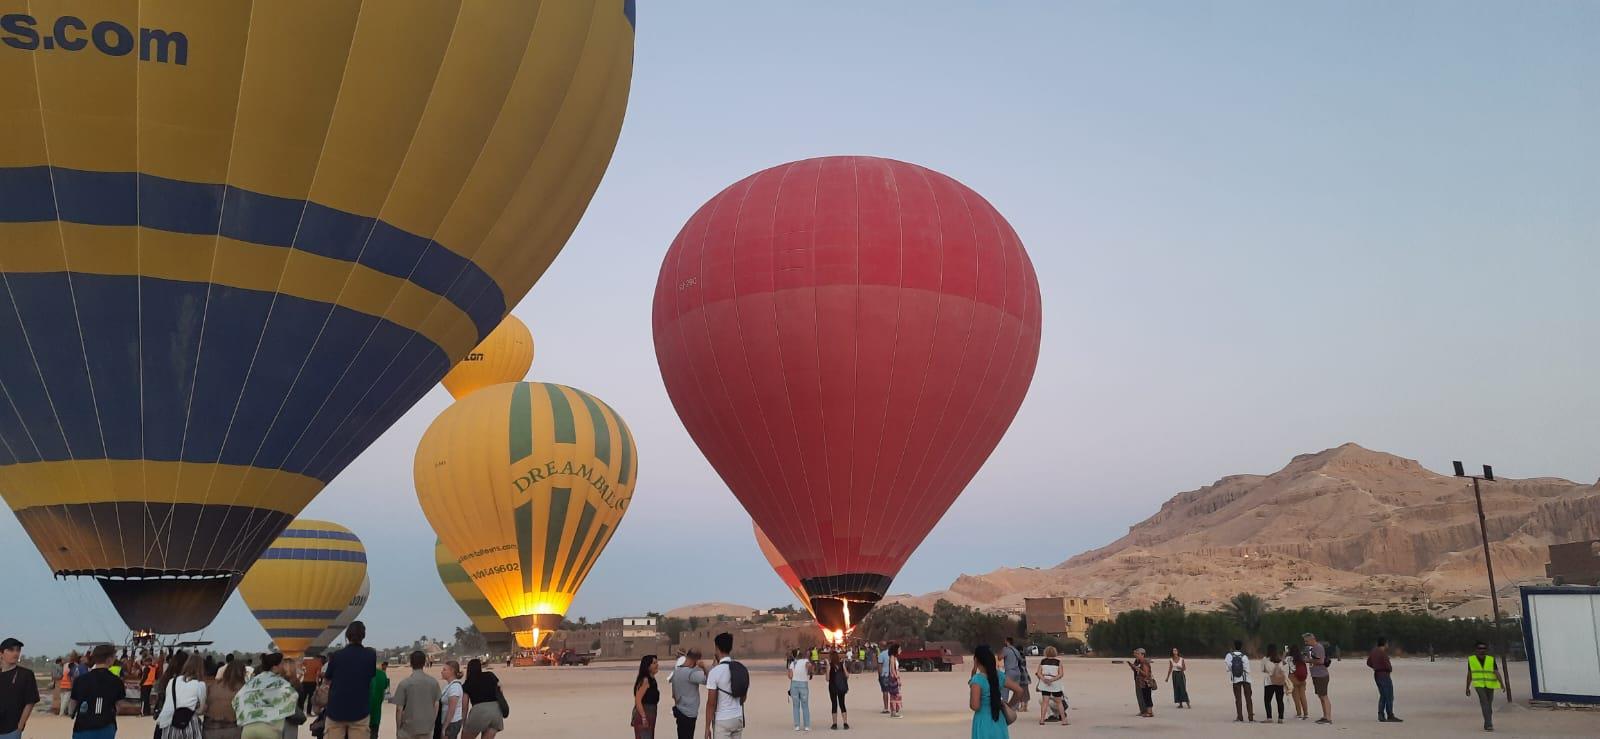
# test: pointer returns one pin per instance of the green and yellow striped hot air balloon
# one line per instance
(466, 594)
(527, 481)
(303, 582)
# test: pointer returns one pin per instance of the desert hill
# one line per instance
(712, 610)
(1346, 527)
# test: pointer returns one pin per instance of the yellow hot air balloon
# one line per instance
(528, 481)
(351, 612)
(466, 594)
(238, 240)
(304, 581)
(505, 356)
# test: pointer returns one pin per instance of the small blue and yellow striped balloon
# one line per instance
(302, 583)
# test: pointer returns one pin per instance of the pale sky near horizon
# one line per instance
(1260, 229)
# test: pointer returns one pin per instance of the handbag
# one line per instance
(1010, 713)
(500, 698)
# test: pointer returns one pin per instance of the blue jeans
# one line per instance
(800, 703)
(1385, 694)
(104, 732)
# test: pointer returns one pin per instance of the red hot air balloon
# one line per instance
(846, 339)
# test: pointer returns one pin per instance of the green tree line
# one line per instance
(1245, 617)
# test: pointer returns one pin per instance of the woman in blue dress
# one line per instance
(985, 699)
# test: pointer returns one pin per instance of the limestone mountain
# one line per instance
(1346, 527)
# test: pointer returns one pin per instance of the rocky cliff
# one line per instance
(1344, 528)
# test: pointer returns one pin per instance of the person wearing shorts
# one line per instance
(1316, 657)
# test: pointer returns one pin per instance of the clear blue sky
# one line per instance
(1260, 228)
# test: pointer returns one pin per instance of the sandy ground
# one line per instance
(594, 702)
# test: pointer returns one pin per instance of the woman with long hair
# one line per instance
(838, 685)
(484, 719)
(267, 701)
(1297, 685)
(646, 697)
(799, 670)
(894, 681)
(221, 720)
(185, 703)
(986, 698)
(1177, 674)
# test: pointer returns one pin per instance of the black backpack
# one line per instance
(738, 680)
(1236, 664)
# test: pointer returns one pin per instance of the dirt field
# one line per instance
(594, 702)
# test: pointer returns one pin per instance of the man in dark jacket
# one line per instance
(349, 673)
(1383, 675)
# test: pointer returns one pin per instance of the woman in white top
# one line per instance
(800, 690)
(1177, 668)
(1051, 684)
(185, 703)
(452, 702)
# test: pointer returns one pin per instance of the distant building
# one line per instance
(631, 627)
(1065, 616)
(631, 637)
(1575, 563)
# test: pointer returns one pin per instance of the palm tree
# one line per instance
(1245, 610)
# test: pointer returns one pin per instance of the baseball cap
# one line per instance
(10, 643)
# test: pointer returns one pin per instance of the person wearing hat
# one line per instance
(19, 691)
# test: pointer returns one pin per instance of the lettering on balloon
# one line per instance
(71, 33)
(594, 476)
(474, 357)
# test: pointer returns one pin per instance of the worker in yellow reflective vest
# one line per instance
(1483, 674)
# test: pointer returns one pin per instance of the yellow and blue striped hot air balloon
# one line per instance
(466, 595)
(238, 239)
(351, 612)
(527, 481)
(303, 582)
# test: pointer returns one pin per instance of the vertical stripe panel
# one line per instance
(521, 423)
(552, 538)
(523, 516)
(602, 430)
(582, 537)
(561, 414)
(588, 557)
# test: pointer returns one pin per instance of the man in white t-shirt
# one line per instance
(725, 709)
(1237, 663)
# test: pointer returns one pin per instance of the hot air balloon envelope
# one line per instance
(529, 480)
(466, 594)
(304, 581)
(238, 240)
(846, 339)
(505, 356)
(350, 613)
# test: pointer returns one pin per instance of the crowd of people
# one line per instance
(192, 696)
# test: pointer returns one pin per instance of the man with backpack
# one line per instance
(1316, 657)
(1238, 665)
(727, 686)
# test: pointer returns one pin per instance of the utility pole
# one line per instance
(1494, 596)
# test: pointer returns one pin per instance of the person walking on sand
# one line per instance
(416, 701)
(646, 698)
(350, 672)
(686, 677)
(222, 722)
(1297, 684)
(800, 690)
(19, 690)
(989, 710)
(96, 695)
(310, 673)
(1144, 683)
(895, 697)
(1237, 663)
(1316, 658)
(1052, 696)
(483, 694)
(452, 700)
(727, 687)
(883, 677)
(1277, 672)
(1383, 676)
(1483, 675)
(267, 702)
(56, 671)
(1177, 674)
(838, 686)
(185, 702)
(1011, 663)
(147, 683)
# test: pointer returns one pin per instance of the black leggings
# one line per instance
(1266, 699)
(836, 698)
